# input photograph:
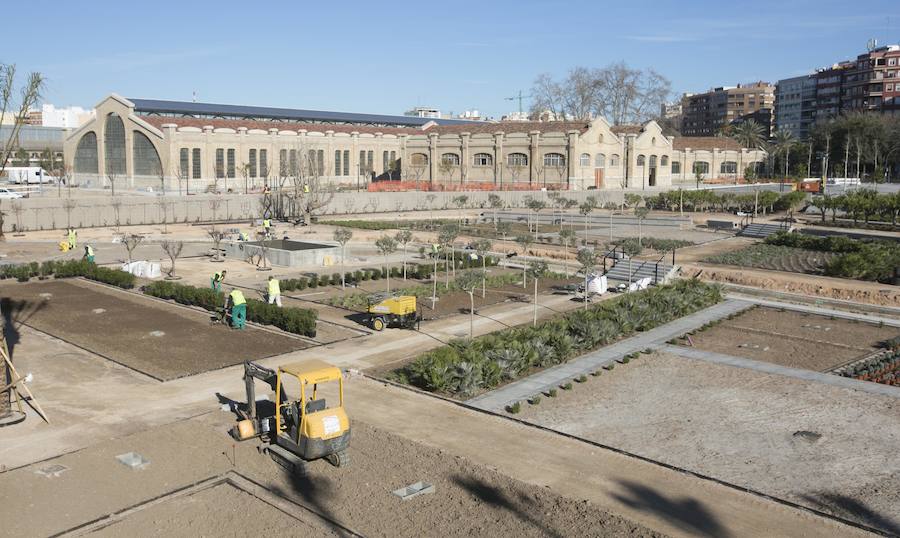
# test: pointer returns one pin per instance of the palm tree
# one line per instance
(748, 134)
(784, 142)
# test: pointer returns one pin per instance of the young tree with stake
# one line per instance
(537, 269)
(386, 245)
(587, 257)
(131, 242)
(566, 237)
(172, 250)
(482, 247)
(403, 237)
(342, 236)
(524, 241)
(446, 237)
(468, 281)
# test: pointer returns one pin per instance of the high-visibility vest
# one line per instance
(89, 250)
(274, 287)
(237, 298)
(217, 277)
(267, 223)
(306, 188)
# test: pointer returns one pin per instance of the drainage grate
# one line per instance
(413, 490)
(133, 460)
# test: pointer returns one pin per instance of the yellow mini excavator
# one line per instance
(301, 429)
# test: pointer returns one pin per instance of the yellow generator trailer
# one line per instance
(387, 310)
(302, 428)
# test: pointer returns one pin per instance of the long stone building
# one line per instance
(196, 146)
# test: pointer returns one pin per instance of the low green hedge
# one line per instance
(68, 269)
(293, 320)
(860, 259)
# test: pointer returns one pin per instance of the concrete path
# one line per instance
(552, 377)
(806, 375)
(817, 310)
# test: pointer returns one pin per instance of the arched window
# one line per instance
(146, 158)
(220, 163)
(664, 160)
(653, 141)
(86, 154)
(197, 166)
(701, 167)
(641, 160)
(114, 145)
(600, 139)
(653, 161)
(676, 167)
(585, 159)
(555, 160)
(517, 159)
(600, 160)
(451, 159)
(614, 160)
(483, 159)
(417, 159)
(728, 167)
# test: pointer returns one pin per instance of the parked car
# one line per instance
(6, 194)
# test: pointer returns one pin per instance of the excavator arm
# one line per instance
(252, 372)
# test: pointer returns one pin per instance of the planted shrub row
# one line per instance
(467, 366)
(355, 301)
(859, 259)
(68, 269)
(414, 271)
(883, 368)
(294, 320)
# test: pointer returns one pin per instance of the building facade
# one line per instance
(200, 146)
(706, 114)
(870, 85)
(795, 105)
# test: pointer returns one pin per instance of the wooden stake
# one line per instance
(33, 400)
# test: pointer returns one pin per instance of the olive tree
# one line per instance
(403, 237)
(468, 281)
(587, 257)
(482, 247)
(525, 241)
(566, 237)
(131, 242)
(173, 251)
(537, 269)
(343, 236)
(386, 245)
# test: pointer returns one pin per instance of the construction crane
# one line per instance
(518, 98)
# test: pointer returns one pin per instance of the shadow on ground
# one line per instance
(687, 513)
(852, 509)
(520, 506)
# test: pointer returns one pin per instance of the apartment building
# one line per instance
(706, 114)
(795, 105)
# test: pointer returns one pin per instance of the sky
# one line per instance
(387, 57)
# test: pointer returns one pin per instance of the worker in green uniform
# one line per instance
(89, 253)
(216, 281)
(238, 306)
(274, 291)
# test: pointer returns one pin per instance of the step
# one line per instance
(623, 272)
(761, 231)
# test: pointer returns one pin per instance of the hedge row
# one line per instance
(67, 269)
(414, 271)
(466, 367)
(293, 320)
(859, 259)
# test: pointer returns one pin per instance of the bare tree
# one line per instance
(403, 237)
(117, 210)
(215, 204)
(386, 245)
(515, 170)
(447, 166)
(468, 282)
(216, 236)
(163, 206)
(17, 210)
(131, 242)
(173, 250)
(183, 177)
(418, 165)
(2, 219)
(14, 106)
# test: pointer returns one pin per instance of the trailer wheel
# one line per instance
(378, 324)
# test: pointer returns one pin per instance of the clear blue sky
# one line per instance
(385, 57)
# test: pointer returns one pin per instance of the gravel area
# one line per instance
(821, 446)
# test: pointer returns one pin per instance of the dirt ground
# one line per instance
(812, 285)
(221, 510)
(160, 340)
(469, 499)
(744, 426)
(794, 339)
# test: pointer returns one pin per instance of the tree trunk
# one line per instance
(483, 276)
(472, 314)
(534, 320)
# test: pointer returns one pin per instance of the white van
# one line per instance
(28, 174)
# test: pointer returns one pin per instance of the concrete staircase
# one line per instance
(627, 271)
(761, 231)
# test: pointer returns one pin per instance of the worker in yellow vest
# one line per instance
(237, 305)
(274, 291)
(267, 225)
(72, 236)
(216, 281)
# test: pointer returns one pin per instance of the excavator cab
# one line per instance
(309, 419)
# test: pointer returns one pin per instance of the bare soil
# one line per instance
(161, 340)
(743, 426)
(222, 510)
(794, 339)
(469, 499)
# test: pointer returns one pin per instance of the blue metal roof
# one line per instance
(187, 108)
